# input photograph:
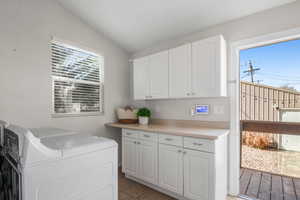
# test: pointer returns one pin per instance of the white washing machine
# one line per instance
(54, 164)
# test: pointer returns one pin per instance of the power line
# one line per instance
(244, 76)
(280, 75)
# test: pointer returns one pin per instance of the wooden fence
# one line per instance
(262, 103)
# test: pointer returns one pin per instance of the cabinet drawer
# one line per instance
(130, 133)
(171, 139)
(199, 144)
(148, 136)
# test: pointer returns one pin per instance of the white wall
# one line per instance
(273, 20)
(26, 27)
(180, 109)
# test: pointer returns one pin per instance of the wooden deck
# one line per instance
(266, 186)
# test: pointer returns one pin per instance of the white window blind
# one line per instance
(78, 80)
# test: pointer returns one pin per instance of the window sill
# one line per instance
(63, 115)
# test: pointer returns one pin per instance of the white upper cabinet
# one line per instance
(151, 76)
(209, 67)
(191, 70)
(159, 75)
(141, 78)
(180, 71)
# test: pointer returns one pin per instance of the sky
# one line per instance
(279, 64)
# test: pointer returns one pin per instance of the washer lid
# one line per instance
(50, 132)
(77, 143)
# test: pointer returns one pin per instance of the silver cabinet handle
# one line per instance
(147, 136)
(128, 133)
(135, 142)
(179, 151)
(169, 139)
(198, 144)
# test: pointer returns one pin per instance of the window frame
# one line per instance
(101, 84)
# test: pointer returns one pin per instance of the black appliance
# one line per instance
(10, 168)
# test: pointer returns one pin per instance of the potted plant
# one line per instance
(144, 114)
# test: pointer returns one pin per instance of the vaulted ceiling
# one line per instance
(137, 24)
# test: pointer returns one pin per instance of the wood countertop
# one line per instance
(211, 133)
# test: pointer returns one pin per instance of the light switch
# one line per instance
(219, 109)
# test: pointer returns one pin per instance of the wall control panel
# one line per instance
(200, 109)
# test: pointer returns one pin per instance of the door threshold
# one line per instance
(246, 197)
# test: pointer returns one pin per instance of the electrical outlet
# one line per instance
(156, 109)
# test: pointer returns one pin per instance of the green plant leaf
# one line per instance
(144, 112)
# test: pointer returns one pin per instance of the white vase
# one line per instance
(144, 120)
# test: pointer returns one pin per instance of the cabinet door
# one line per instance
(170, 168)
(198, 175)
(159, 75)
(130, 157)
(148, 161)
(141, 78)
(180, 71)
(208, 68)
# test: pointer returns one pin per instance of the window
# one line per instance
(77, 80)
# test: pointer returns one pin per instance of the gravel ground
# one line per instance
(274, 161)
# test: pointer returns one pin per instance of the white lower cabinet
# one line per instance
(198, 174)
(147, 161)
(171, 168)
(140, 159)
(183, 167)
(130, 156)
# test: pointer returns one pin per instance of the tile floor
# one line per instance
(131, 190)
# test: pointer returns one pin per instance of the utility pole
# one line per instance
(251, 71)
